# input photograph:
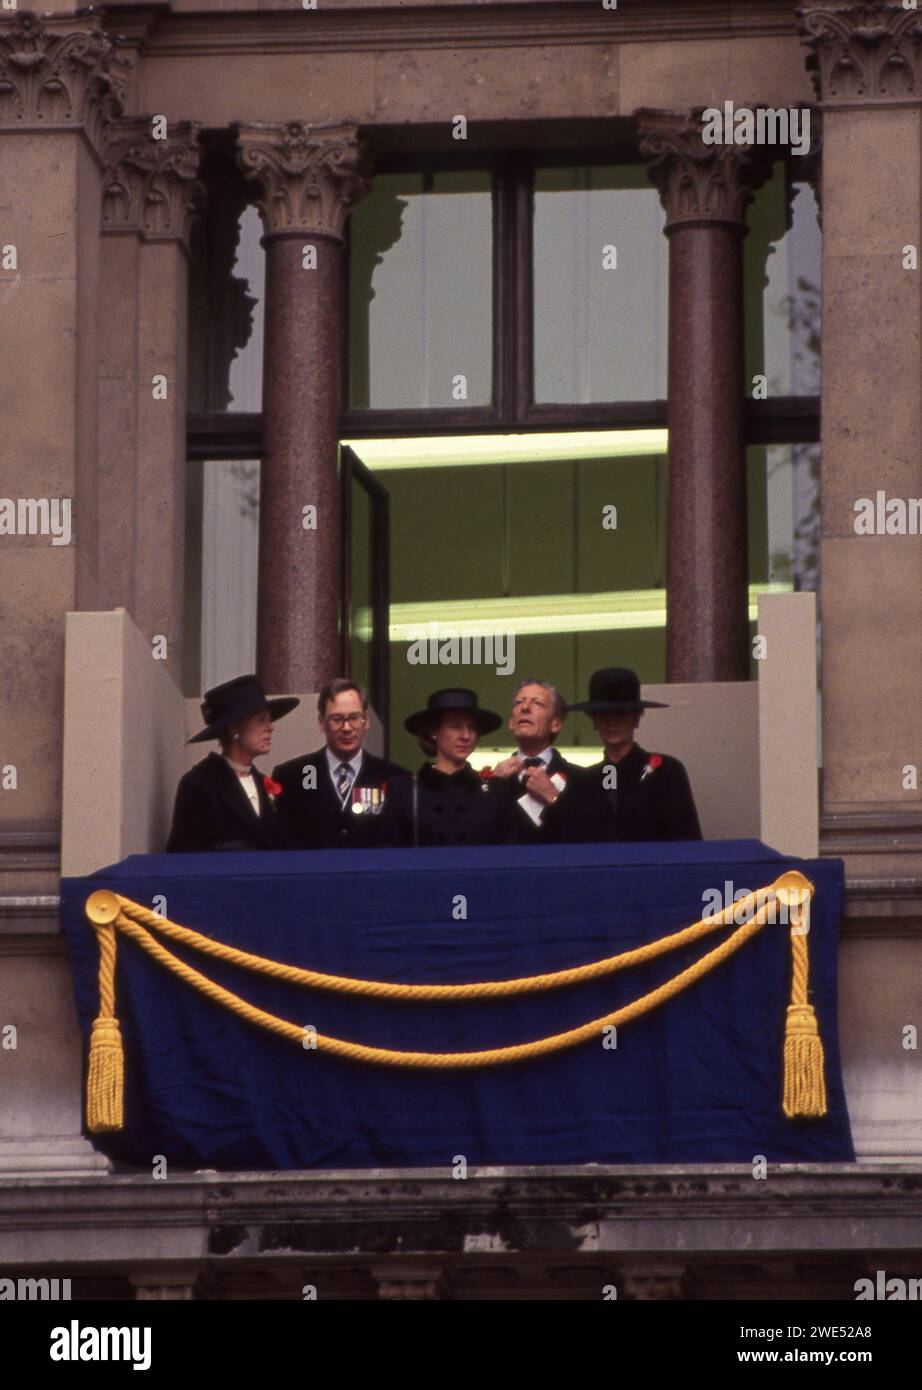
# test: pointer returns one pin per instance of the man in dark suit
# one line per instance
(337, 798)
(225, 802)
(631, 794)
(536, 779)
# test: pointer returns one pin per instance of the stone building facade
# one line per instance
(127, 133)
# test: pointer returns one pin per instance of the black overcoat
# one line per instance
(314, 815)
(212, 811)
(439, 808)
(522, 830)
(658, 806)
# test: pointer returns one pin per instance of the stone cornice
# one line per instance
(337, 27)
(863, 53)
(308, 177)
(60, 73)
(150, 185)
(697, 183)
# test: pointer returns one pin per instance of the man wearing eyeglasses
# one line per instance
(335, 798)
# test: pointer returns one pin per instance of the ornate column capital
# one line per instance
(58, 73)
(150, 184)
(698, 182)
(863, 53)
(309, 177)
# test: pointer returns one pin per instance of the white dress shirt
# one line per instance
(247, 782)
(533, 806)
(545, 755)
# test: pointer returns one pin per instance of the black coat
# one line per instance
(212, 811)
(522, 830)
(659, 806)
(314, 816)
(437, 808)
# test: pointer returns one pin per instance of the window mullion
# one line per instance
(502, 307)
(523, 319)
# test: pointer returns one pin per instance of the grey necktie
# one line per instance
(343, 780)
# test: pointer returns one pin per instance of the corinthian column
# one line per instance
(308, 179)
(705, 190)
(149, 195)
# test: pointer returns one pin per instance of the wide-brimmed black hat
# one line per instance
(235, 700)
(442, 700)
(617, 689)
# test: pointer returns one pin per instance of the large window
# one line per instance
(520, 309)
(518, 296)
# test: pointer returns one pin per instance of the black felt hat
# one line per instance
(616, 689)
(454, 699)
(235, 700)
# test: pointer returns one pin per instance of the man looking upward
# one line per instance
(536, 775)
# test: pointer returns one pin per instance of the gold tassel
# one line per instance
(106, 1077)
(804, 1064)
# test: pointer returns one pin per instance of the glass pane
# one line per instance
(523, 547)
(784, 522)
(227, 576)
(601, 274)
(226, 301)
(420, 292)
(784, 515)
(249, 273)
(782, 288)
(361, 593)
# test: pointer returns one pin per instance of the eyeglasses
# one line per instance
(355, 721)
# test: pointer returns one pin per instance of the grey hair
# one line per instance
(560, 704)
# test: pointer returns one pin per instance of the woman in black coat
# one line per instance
(225, 802)
(448, 803)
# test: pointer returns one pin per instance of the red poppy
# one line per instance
(655, 760)
(273, 789)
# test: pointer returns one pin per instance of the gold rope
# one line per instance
(788, 885)
(108, 911)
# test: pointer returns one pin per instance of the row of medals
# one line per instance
(370, 799)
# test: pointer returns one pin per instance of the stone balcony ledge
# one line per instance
(583, 1211)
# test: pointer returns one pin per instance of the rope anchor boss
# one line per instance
(804, 1082)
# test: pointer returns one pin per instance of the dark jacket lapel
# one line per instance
(325, 789)
(371, 771)
(227, 785)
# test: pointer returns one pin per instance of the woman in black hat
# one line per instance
(448, 803)
(224, 802)
(631, 794)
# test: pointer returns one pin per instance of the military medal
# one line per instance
(370, 799)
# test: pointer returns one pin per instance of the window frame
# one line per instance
(233, 435)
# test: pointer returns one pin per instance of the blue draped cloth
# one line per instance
(699, 1079)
